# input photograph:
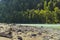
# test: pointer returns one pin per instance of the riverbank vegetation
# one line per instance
(30, 11)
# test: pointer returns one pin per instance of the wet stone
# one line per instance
(39, 33)
(19, 30)
(20, 38)
(33, 35)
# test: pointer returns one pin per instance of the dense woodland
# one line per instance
(30, 11)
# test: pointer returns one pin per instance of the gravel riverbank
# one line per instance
(21, 32)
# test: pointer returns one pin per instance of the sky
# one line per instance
(0, 0)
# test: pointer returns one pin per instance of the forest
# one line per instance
(30, 11)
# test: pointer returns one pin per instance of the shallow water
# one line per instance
(45, 25)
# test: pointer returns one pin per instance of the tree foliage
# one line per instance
(30, 11)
